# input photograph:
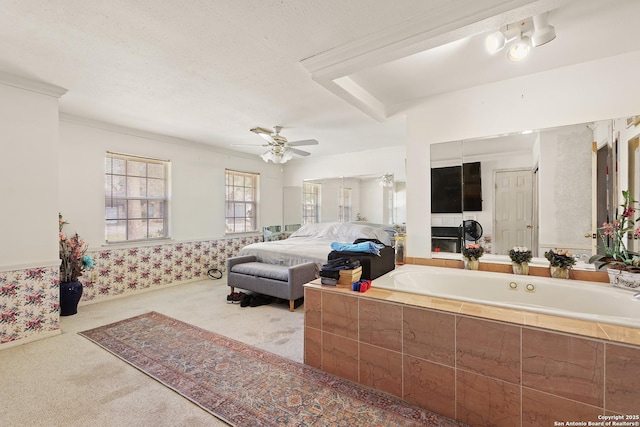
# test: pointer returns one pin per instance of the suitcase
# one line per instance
(373, 266)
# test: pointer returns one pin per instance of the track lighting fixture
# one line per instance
(524, 34)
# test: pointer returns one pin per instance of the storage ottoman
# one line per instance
(373, 266)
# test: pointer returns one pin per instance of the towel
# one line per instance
(365, 247)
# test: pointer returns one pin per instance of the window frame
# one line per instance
(113, 200)
(311, 208)
(345, 207)
(229, 178)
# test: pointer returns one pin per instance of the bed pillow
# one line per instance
(351, 232)
(314, 230)
(341, 232)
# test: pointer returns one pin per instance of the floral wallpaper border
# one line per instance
(29, 299)
(29, 303)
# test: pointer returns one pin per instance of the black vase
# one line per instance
(70, 294)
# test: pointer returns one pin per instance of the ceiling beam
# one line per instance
(458, 20)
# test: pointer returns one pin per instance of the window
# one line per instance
(136, 198)
(344, 204)
(310, 203)
(241, 204)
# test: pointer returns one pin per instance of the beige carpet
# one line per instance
(69, 381)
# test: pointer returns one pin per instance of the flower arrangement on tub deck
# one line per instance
(520, 255)
(473, 251)
(612, 236)
(72, 254)
(560, 258)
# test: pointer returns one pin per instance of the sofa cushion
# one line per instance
(270, 271)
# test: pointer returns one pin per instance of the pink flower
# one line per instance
(62, 236)
(628, 212)
(609, 228)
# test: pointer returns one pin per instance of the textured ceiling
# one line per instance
(209, 70)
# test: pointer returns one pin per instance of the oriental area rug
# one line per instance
(245, 386)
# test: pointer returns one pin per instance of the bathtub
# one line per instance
(597, 302)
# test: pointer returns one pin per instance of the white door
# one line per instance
(513, 210)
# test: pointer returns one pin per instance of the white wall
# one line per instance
(576, 94)
(197, 181)
(28, 178)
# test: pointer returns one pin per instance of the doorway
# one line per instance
(513, 210)
(605, 187)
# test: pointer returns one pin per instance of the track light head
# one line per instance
(543, 32)
(498, 40)
(520, 50)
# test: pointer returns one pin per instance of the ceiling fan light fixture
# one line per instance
(277, 155)
(268, 155)
(386, 180)
(286, 156)
(520, 50)
(280, 150)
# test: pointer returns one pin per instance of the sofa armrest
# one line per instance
(303, 273)
(239, 260)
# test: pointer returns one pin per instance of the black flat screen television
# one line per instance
(446, 189)
(449, 195)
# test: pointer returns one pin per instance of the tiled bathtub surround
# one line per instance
(29, 298)
(479, 371)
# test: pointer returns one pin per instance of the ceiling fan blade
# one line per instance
(303, 142)
(299, 152)
(267, 138)
(264, 133)
(249, 145)
(259, 130)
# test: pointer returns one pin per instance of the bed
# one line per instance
(312, 242)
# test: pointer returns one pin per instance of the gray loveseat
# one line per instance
(279, 281)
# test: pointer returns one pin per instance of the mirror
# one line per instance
(375, 198)
(271, 232)
(633, 156)
(541, 189)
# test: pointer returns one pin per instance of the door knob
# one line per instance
(529, 226)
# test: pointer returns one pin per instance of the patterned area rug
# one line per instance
(246, 386)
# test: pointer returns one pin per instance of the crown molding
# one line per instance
(32, 85)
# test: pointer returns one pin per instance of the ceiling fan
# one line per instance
(280, 149)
